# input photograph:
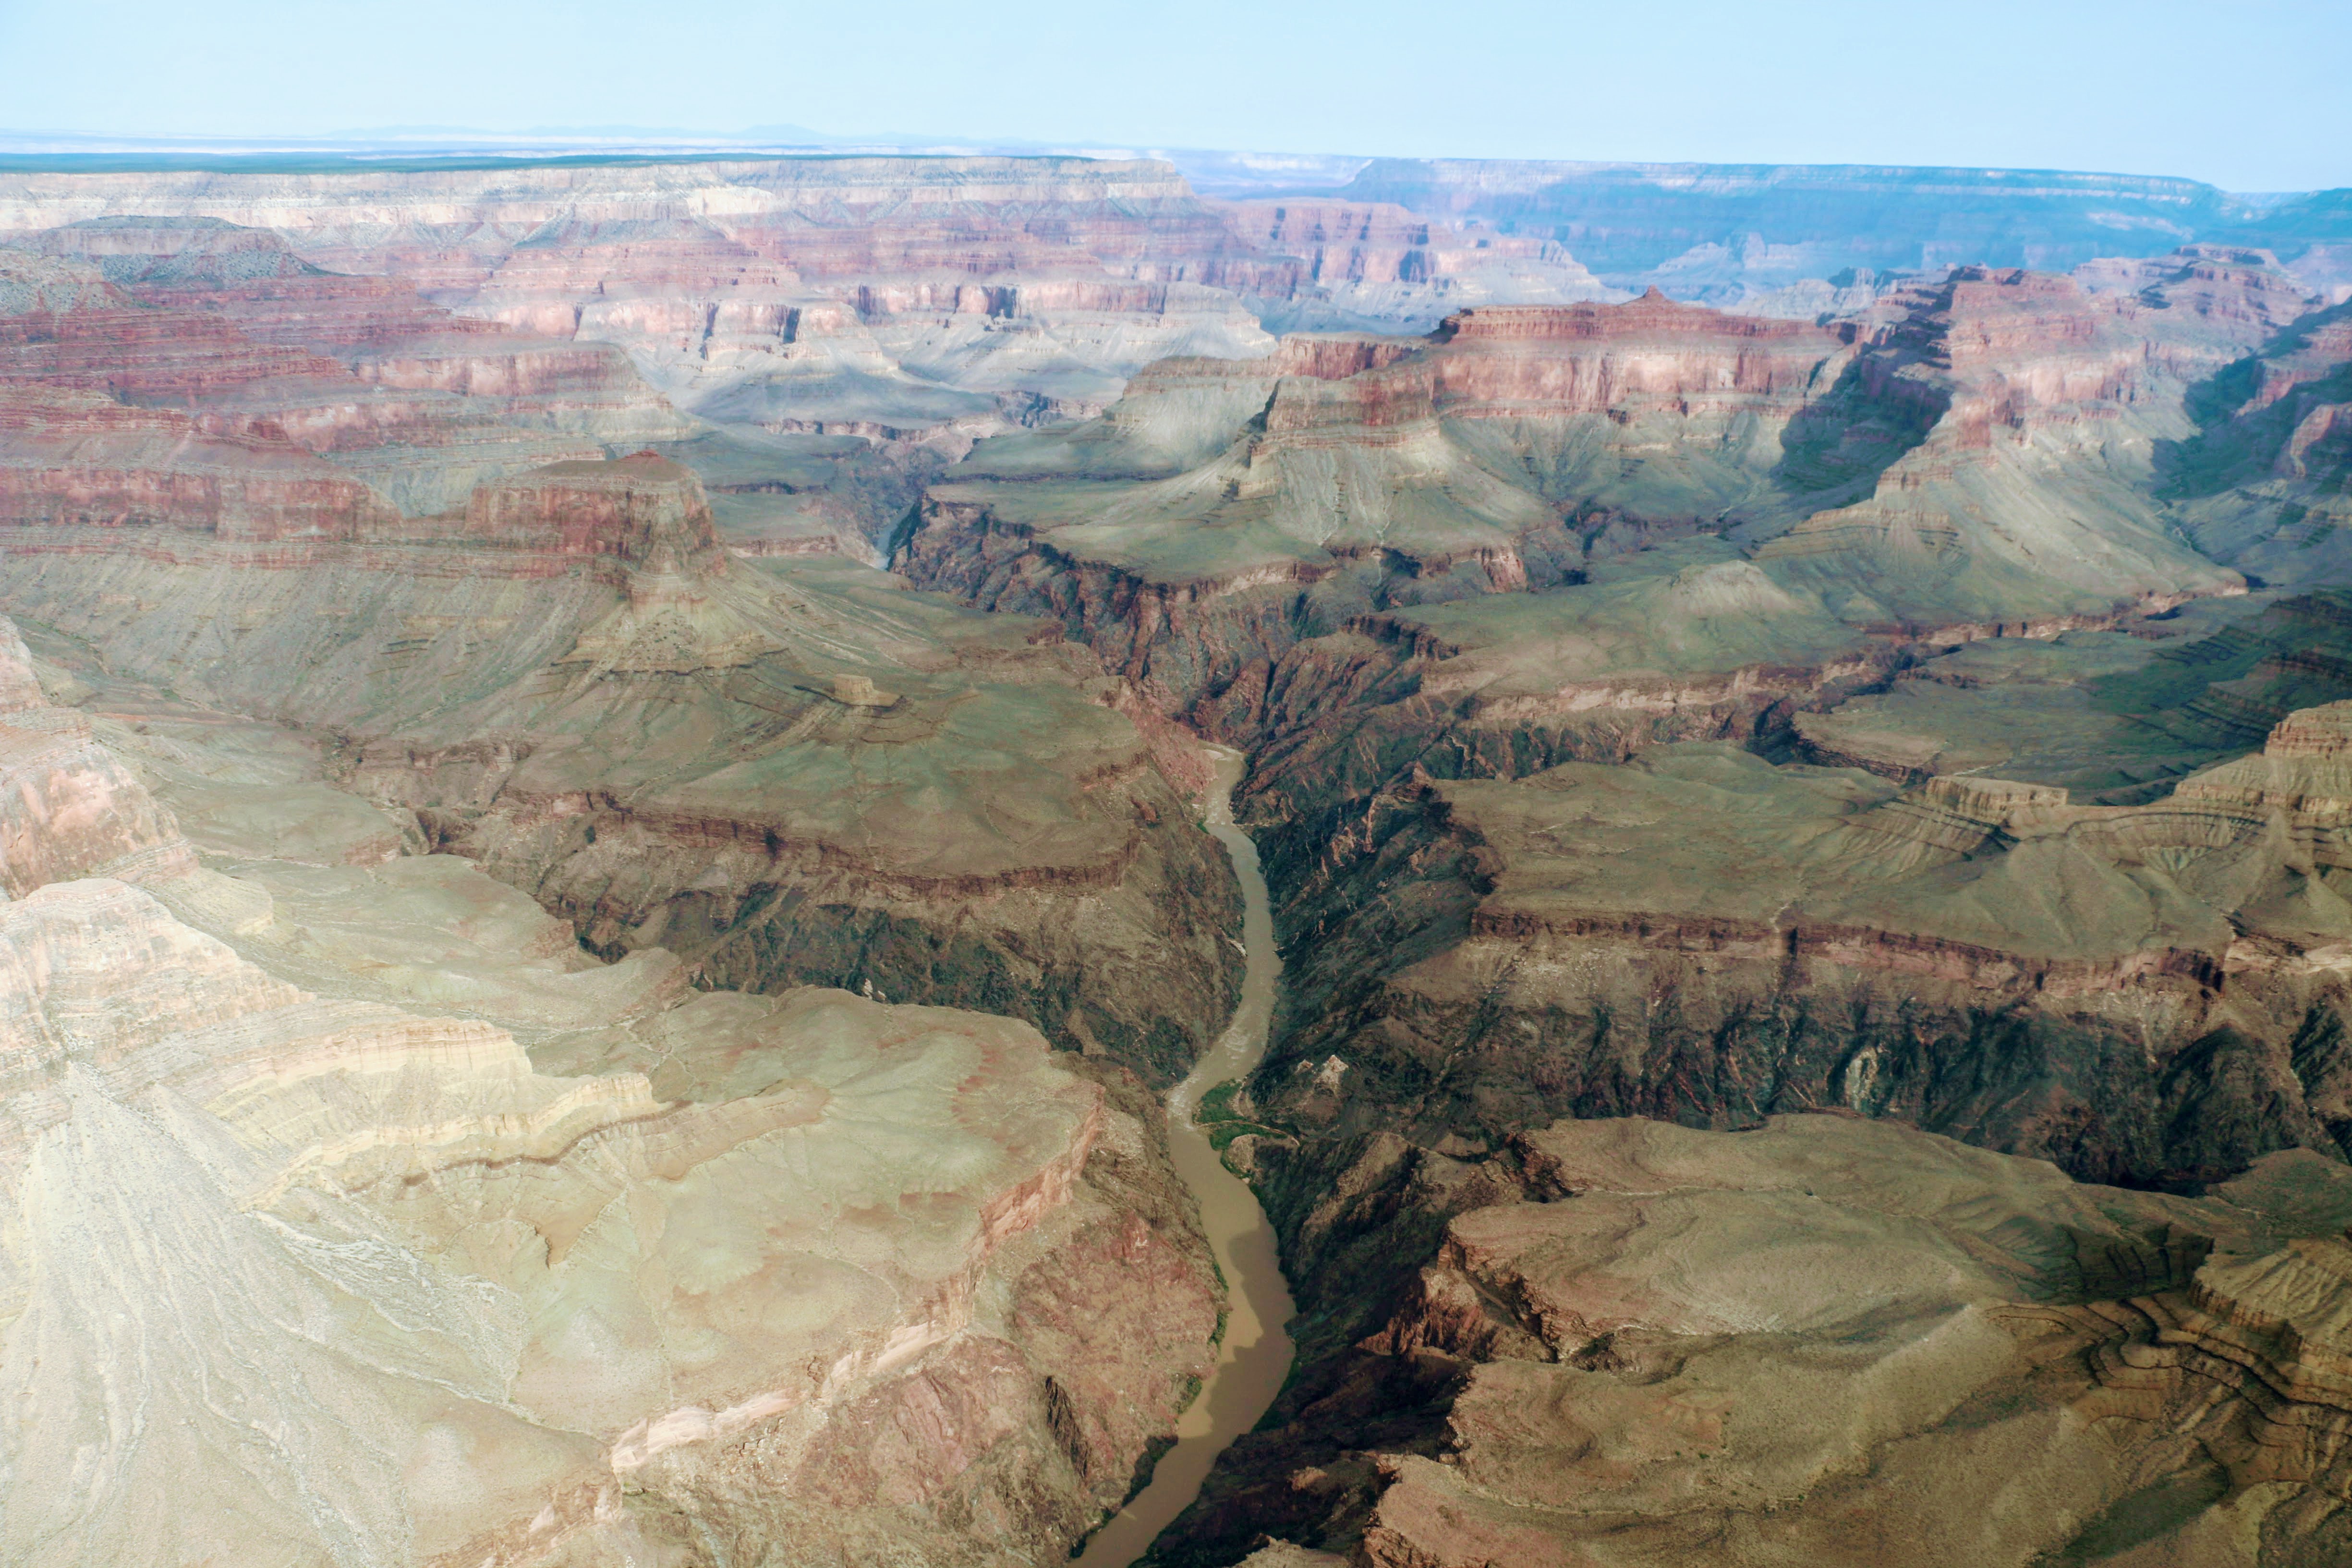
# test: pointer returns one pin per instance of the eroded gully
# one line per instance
(1256, 1354)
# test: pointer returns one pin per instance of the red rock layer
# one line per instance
(247, 286)
(689, 253)
(151, 356)
(2020, 345)
(2324, 350)
(2041, 388)
(629, 508)
(1653, 316)
(182, 355)
(1374, 242)
(67, 458)
(1552, 362)
(2235, 297)
(403, 393)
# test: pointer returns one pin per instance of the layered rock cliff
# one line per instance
(1625, 1341)
(2262, 479)
(1977, 457)
(2031, 493)
(356, 1209)
(294, 404)
(1356, 474)
(2137, 992)
(875, 297)
(916, 303)
(1729, 233)
(790, 773)
(1375, 264)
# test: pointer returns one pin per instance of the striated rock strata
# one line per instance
(1729, 233)
(1973, 460)
(877, 297)
(671, 746)
(357, 1211)
(2148, 992)
(1822, 1340)
(243, 365)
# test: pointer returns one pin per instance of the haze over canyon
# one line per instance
(973, 860)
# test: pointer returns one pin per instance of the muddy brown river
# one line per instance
(1255, 1355)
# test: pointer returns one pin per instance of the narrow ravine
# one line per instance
(1255, 1355)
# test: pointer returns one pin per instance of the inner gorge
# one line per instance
(1254, 1348)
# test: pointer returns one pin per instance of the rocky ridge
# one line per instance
(1351, 475)
(2262, 480)
(1468, 522)
(317, 1136)
(787, 772)
(1727, 234)
(1821, 1339)
(845, 296)
(916, 303)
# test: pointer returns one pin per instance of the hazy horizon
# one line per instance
(2100, 87)
(528, 142)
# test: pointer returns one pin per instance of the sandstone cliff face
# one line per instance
(2227, 297)
(645, 511)
(788, 775)
(2142, 993)
(427, 378)
(2029, 493)
(236, 368)
(379, 328)
(866, 295)
(1619, 1342)
(365, 1154)
(1376, 265)
(2260, 482)
(89, 433)
(83, 460)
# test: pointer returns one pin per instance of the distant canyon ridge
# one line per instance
(932, 298)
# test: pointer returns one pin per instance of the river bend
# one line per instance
(1256, 1354)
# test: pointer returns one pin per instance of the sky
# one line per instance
(2250, 95)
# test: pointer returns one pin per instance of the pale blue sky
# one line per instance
(2249, 94)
